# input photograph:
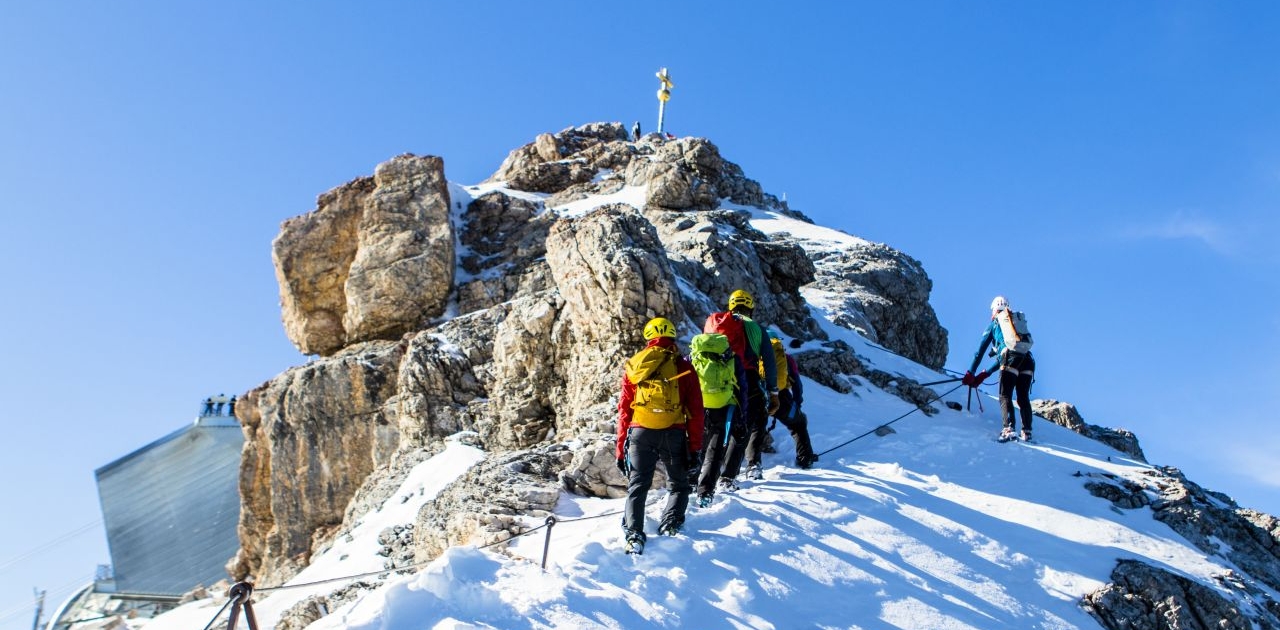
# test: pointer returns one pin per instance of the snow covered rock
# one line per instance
(1066, 415)
(1143, 597)
(884, 295)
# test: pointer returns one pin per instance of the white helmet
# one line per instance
(999, 304)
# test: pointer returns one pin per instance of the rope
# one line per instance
(917, 408)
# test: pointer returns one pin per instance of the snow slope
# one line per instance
(933, 526)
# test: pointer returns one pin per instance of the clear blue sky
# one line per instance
(1113, 168)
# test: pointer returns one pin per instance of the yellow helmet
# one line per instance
(741, 298)
(659, 327)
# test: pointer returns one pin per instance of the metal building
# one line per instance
(171, 510)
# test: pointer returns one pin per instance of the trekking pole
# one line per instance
(968, 405)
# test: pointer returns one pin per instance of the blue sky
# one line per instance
(1112, 168)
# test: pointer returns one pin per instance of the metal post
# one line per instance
(664, 95)
(240, 593)
(35, 624)
(546, 543)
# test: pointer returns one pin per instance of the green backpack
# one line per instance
(712, 359)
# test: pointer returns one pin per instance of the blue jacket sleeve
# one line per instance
(990, 337)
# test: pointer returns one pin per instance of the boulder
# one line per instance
(1066, 415)
(373, 261)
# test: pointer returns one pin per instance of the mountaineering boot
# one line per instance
(728, 484)
(635, 543)
(1025, 437)
(754, 472)
(705, 500)
(670, 528)
(1006, 435)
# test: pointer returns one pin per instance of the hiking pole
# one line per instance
(968, 405)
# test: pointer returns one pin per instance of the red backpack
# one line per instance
(733, 328)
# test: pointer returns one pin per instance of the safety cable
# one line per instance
(917, 408)
(649, 503)
(219, 613)
(408, 567)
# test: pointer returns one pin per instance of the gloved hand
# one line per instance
(967, 379)
(773, 402)
(979, 377)
(622, 466)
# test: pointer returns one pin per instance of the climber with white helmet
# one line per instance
(1009, 339)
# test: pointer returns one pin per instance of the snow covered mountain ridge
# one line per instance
(470, 339)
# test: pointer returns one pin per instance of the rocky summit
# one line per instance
(505, 309)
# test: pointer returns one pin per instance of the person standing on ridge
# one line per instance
(659, 418)
(1010, 343)
(750, 341)
(635, 131)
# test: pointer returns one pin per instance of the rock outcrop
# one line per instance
(509, 318)
(1143, 597)
(1066, 415)
(883, 294)
(506, 320)
(375, 259)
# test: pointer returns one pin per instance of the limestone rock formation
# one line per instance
(506, 321)
(484, 506)
(518, 333)
(1215, 524)
(313, 435)
(1143, 597)
(1066, 415)
(885, 297)
(373, 261)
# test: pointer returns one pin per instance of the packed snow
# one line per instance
(935, 525)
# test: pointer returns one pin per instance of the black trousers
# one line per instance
(645, 448)
(1015, 378)
(747, 442)
(790, 416)
(718, 426)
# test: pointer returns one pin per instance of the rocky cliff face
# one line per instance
(434, 310)
(510, 319)
(1144, 597)
(373, 261)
